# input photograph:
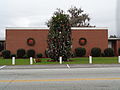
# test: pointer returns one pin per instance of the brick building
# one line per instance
(17, 38)
(114, 43)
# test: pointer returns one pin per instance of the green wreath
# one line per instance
(82, 41)
(30, 42)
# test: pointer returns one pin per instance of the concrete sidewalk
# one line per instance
(57, 66)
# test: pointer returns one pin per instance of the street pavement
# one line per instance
(58, 66)
(60, 77)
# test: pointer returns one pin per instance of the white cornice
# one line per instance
(88, 28)
(113, 38)
(26, 28)
(74, 28)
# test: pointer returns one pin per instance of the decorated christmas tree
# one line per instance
(59, 36)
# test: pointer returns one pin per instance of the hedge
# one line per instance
(96, 52)
(80, 52)
(109, 52)
(21, 53)
(39, 55)
(31, 53)
(6, 53)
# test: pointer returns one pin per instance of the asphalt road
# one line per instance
(60, 78)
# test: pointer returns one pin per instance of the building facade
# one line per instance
(115, 44)
(2, 45)
(36, 38)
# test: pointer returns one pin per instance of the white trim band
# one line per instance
(74, 28)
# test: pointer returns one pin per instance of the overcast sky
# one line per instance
(34, 13)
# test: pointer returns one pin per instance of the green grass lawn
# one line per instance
(96, 60)
(82, 60)
(5, 61)
(105, 60)
(18, 61)
(25, 61)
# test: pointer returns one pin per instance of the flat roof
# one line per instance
(2, 40)
(74, 28)
(113, 38)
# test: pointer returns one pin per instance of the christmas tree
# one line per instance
(59, 36)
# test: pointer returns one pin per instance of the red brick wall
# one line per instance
(16, 39)
(118, 46)
(118, 43)
(95, 38)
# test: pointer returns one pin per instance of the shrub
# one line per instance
(25, 56)
(109, 52)
(6, 53)
(80, 52)
(95, 52)
(31, 53)
(13, 55)
(20, 53)
(39, 55)
(119, 51)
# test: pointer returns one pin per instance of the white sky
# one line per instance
(34, 13)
